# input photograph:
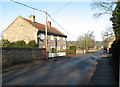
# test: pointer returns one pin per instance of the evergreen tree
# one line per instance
(116, 20)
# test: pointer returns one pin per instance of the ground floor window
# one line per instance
(64, 47)
(52, 46)
(58, 48)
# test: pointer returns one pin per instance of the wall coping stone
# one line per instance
(18, 48)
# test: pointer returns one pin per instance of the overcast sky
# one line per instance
(76, 18)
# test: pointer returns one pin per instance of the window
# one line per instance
(58, 38)
(42, 36)
(58, 48)
(51, 47)
(64, 47)
(43, 46)
(52, 37)
(63, 38)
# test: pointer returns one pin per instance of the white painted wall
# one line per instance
(56, 54)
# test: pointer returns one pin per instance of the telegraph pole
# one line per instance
(46, 33)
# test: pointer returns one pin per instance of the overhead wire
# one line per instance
(61, 26)
(47, 14)
(27, 6)
(62, 7)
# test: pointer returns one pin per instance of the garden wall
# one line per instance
(80, 51)
(56, 54)
(11, 56)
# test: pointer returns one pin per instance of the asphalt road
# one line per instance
(76, 70)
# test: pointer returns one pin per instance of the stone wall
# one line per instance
(11, 56)
(55, 43)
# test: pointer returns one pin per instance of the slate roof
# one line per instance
(41, 27)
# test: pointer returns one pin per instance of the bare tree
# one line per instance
(81, 42)
(86, 41)
(107, 36)
(104, 7)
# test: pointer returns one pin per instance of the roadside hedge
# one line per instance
(115, 57)
(72, 47)
(4, 43)
(19, 44)
(68, 52)
(53, 50)
(31, 44)
(116, 51)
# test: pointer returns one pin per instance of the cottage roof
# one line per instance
(41, 28)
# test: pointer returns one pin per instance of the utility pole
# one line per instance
(46, 33)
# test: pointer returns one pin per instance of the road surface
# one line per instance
(76, 70)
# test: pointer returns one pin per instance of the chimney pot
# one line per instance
(32, 18)
(49, 24)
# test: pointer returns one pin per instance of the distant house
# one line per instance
(110, 44)
(28, 29)
(71, 42)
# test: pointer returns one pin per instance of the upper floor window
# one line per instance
(52, 37)
(63, 38)
(58, 38)
(42, 36)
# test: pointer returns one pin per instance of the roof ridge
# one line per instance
(50, 29)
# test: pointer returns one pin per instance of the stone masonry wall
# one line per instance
(20, 30)
(53, 43)
(11, 56)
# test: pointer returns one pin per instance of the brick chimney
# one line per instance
(49, 24)
(32, 18)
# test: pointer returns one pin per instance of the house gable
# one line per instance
(20, 30)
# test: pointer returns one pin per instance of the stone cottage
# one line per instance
(29, 29)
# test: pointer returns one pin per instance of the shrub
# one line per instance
(20, 44)
(5, 43)
(72, 47)
(115, 19)
(61, 51)
(68, 52)
(32, 44)
(11, 44)
(53, 50)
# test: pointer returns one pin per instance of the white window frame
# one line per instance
(64, 47)
(58, 38)
(58, 48)
(52, 37)
(42, 36)
(52, 46)
(63, 38)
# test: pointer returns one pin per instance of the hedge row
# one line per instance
(31, 44)
(116, 51)
(68, 52)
